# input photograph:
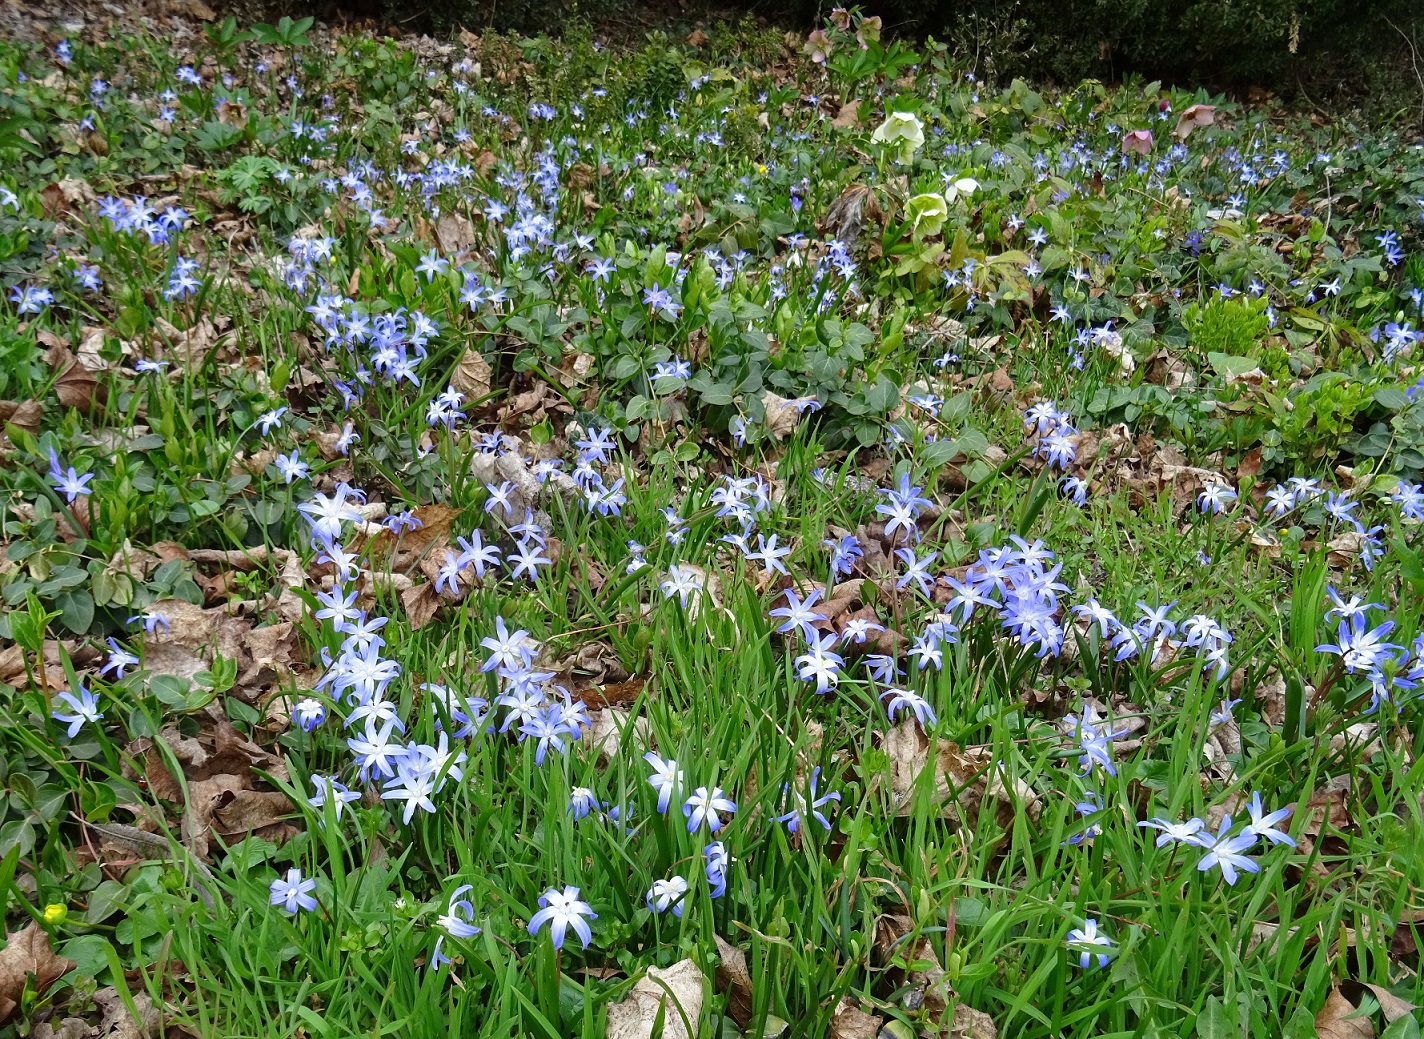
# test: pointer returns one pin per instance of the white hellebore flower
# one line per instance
(927, 214)
(903, 130)
(965, 186)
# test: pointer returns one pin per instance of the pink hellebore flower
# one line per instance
(1138, 142)
(1197, 115)
(818, 46)
(869, 32)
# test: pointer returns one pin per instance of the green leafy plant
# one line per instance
(246, 180)
(1227, 332)
(854, 51)
(286, 33)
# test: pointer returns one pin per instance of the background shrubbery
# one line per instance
(1319, 46)
(1314, 51)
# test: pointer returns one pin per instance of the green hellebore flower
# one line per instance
(927, 214)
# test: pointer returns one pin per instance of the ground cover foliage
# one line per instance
(504, 537)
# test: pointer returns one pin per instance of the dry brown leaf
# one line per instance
(118, 1023)
(972, 1024)
(261, 654)
(596, 662)
(843, 598)
(1392, 1006)
(171, 550)
(605, 735)
(12, 662)
(244, 559)
(277, 712)
(1163, 368)
(574, 369)
(1268, 545)
(955, 1019)
(850, 212)
(523, 403)
(202, 800)
(22, 413)
(1344, 549)
(420, 602)
(1262, 933)
(270, 645)
(77, 192)
(27, 952)
(242, 812)
(169, 658)
(850, 1022)
(1402, 944)
(485, 161)
(1270, 693)
(227, 804)
(465, 577)
(1250, 464)
(67, 1028)
(472, 375)
(1334, 1020)
(454, 233)
(254, 463)
(190, 347)
(1362, 739)
(1184, 481)
(512, 466)
(219, 750)
(196, 9)
(326, 441)
(614, 694)
(876, 563)
(56, 347)
(54, 678)
(676, 991)
(848, 117)
(204, 631)
(137, 563)
(1253, 377)
(781, 415)
(435, 520)
(734, 980)
(53, 203)
(77, 387)
(963, 779)
(1327, 809)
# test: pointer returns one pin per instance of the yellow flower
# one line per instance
(56, 913)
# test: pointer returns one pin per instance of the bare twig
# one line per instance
(1414, 62)
(152, 845)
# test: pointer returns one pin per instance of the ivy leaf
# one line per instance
(1214, 1022)
(937, 454)
(957, 408)
(76, 610)
(883, 395)
(1392, 399)
(972, 442)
